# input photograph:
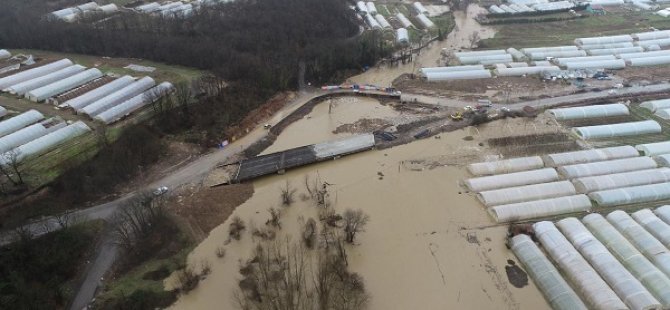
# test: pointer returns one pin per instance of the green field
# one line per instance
(564, 32)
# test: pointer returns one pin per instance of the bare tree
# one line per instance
(9, 167)
(137, 219)
(275, 215)
(309, 232)
(287, 194)
(354, 222)
(236, 228)
(474, 39)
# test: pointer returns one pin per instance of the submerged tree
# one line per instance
(354, 222)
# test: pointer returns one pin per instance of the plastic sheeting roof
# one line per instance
(618, 130)
(118, 97)
(540, 208)
(25, 135)
(33, 73)
(506, 165)
(625, 179)
(17, 122)
(133, 104)
(98, 93)
(603, 110)
(47, 142)
(64, 85)
(526, 193)
(633, 194)
(511, 179)
(587, 156)
(652, 149)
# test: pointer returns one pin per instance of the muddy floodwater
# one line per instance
(429, 244)
(431, 56)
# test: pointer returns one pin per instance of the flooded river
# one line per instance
(429, 244)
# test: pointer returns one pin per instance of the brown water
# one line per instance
(431, 56)
(429, 245)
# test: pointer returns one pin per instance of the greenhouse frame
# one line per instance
(646, 272)
(546, 277)
(585, 279)
(627, 287)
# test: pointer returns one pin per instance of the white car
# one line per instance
(160, 191)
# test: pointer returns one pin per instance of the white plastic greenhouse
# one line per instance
(457, 75)
(109, 8)
(663, 160)
(118, 96)
(659, 42)
(383, 22)
(33, 73)
(425, 21)
(629, 56)
(25, 135)
(371, 8)
(403, 20)
(663, 113)
(563, 48)
(588, 156)
(521, 71)
(652, 149)
(584, 278)
(627, 287)
(654, 225)
(607, 45)
(98, 93)
(419, 8)
(506, 165)
(47, 142)
(615, 51)
(648, 61)
(401, 36)
(607, 167)
(362, 8)
(626, 179)
(526, 193)
(653, 249)
(451, 69)
(663, 213)
(131, 105)
(511, 179)
(597, 64)
(563, 54)
(603, 110)
(618, 130)
(24, 87)
(633, 194)
(654, 105)
(604, 40)
(651, 35)
(149, 7)
(4, 54)
(63, 85)
(480, 53)
(17, 122)
(563, 61)
(3, 111)
(517, 64)
(546, 277)
(485, 59)
(540, 208)
(372, 22)
(649, 275)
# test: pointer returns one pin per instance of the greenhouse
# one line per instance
(607, 167)
(663, 213)
(17, 122)
(404, 21)
(546, 277)
(633, 194)
(118, 96)
(479, 53)
(596, 64)
(516, 54)
(98, 93)
(618, 130)
(615, 51)
(591, 47)
(3, 112)
(663, 113)
(526, 193)
(626, 179)
(24, 87)
(653, 149)
(451, 69)
(549, 49)
(523, 71)
(629, 56)
(63, 85)
(649, 275)
(629, 289)
(4, 54)
(563, 61)
(654, 250)
(556, 54)
(584, 278)
(485, 59)
(540, 208)
(511, 179)
(604, 110)
(131, 105)
(654, 225)
(663, 160)
(419, 8)
(604, 40)
(382, 21)
(47, 142)
(592, 155)
(425, 21)
(506, 165)
(651, 35)
(34, 73)
(648, 61)
(25, 135)
(654, 105)
(457, 75)
(371, 8)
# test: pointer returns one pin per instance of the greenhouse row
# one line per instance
(71, 14)
(28, 134)
(524, 188)
(377, 21)
(601, 262)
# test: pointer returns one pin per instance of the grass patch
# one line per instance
(383, 10)
(445, 23)
(564, 32)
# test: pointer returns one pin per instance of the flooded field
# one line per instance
(429, 244)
